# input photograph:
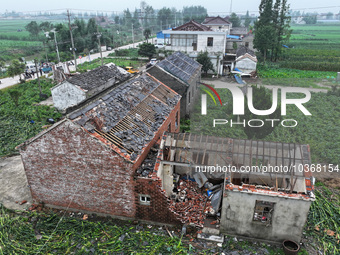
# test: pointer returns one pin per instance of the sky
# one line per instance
(214, 7)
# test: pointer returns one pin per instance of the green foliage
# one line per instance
(18, 109)
(16, 68)
(205, 61)
(197, 13)
(247, 20)
(235, 20)
(33, 28)
(272, 29)
(323, 220)
(147, 33)
(310, 19)
(147, 50)
(69, 235)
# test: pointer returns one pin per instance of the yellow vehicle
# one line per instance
(130, 69)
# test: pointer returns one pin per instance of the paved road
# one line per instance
(10, 81)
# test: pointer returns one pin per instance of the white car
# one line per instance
(159, 45)
(153, 61)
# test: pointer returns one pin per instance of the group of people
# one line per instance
(29, 73)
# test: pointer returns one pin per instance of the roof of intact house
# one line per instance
(244, 50)
(99, 76)
(127, 117)
(181, 66)
(216, 21)
(192, 26)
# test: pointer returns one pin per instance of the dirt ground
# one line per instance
(14, 192)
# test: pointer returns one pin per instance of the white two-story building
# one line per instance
(193, 38)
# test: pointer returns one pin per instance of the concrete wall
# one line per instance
(246, 64)
(288, 218)
(66, 95)
(67, 167)
(219, 42)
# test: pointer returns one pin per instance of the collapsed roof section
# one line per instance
(277, 168)
(99, 76)
(127, 117)
(181, 66)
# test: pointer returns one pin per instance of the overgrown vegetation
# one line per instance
(324, 219)
(20, 116)
(122, 62)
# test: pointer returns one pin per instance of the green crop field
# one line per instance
(316, 37)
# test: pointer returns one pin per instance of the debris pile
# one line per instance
(189, 204)
(148, 165)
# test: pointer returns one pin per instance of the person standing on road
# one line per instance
(40, 70)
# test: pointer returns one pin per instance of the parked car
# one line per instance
(153, 61)
(131, 70)
(159, 45)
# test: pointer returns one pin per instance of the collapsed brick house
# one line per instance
(182, 74)
(88, 160)
(244, 195)
(80, 87)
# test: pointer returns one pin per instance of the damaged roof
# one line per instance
(181, 66)
(99, 76)
(192, 26)
(127, 117)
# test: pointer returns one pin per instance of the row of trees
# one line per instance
(272, 29)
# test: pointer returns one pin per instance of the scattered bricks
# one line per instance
(23, 202)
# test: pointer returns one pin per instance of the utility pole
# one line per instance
(45, 47)
(231, 6)
(99, 44)
(36, 68)
(133, 38)
(56, 45)
(69, 25)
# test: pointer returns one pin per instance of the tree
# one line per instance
(235, 20)
(205, 61)
(147, 33)
(33, 28)
(163, 17)
(247, 20)
(198, 13)
(262, 100)
(16, 68)
(272, 29)
(147, 50)
(310, 19)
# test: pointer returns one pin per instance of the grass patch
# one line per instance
(324, 220)
(117, 61)
(20, 117)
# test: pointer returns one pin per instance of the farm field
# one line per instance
(312, 59)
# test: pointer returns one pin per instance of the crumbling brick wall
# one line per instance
(69, 168)
(158, 210)
(171, 120)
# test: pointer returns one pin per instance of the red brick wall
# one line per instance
(171, 119)
(68, 167)
(158, 208)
